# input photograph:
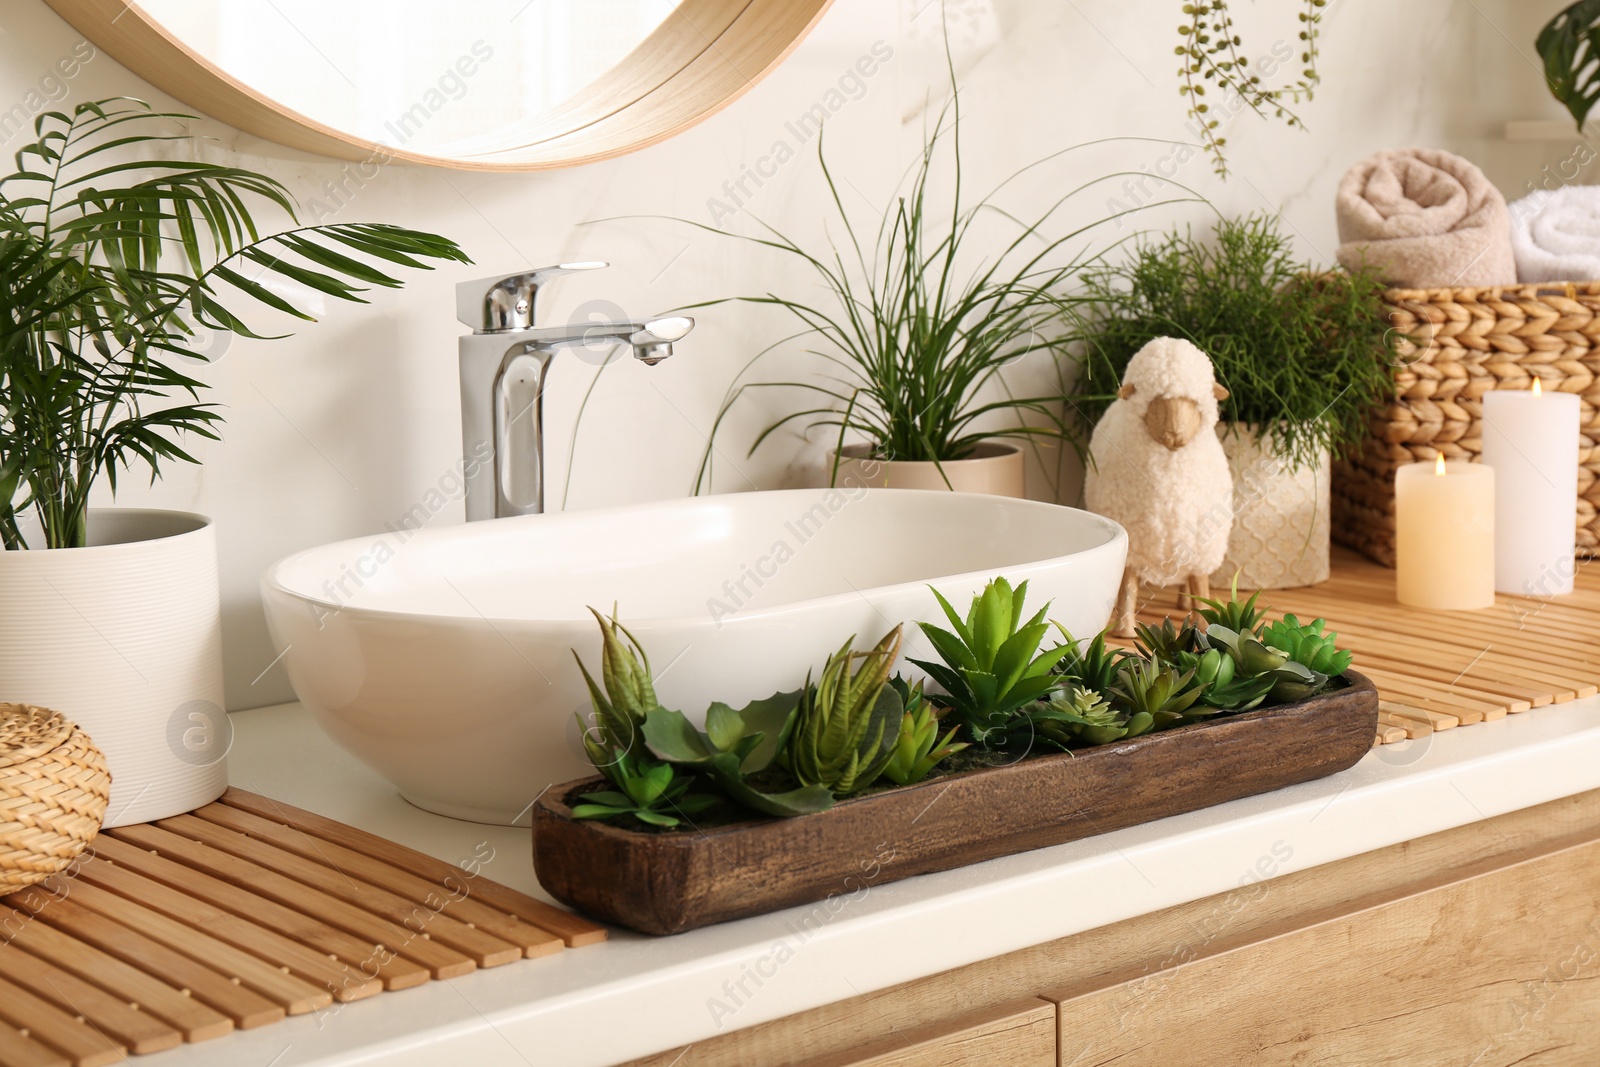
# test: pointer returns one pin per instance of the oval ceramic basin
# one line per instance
(443, 658)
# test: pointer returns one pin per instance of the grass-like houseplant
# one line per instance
(1304, 354)
(916, 322)
(111, 262)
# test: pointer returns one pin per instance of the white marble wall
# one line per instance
(354, 420)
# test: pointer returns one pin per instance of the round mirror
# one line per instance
(490, 85)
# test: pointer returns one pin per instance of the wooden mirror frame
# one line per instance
(705, 55)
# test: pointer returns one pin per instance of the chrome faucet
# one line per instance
(504, 364)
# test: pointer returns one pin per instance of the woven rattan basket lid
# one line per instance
(27, 732)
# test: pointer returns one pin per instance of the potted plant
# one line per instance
(111, 267)
(916, 324)
(1302, 354)
(831, 788)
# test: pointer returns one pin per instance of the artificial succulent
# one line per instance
(734, 746)
(1075, 714)
(1308, 645)
(1092, 666)
(627, 697)
(1253, 658)
(1239, 616)
(1167, 642)
(919, 748)
(848, 722)
(1159, 690)
(653, 793)
(992, 666)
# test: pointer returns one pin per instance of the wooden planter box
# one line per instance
(665, 883)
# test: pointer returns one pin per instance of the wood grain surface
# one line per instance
(235, 916)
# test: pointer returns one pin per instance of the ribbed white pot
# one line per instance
(124, 637)
(995, 468)
(1281, 518)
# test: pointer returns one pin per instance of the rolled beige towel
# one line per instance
(1426, 219)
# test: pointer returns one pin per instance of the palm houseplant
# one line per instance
(916, 322)
(1304, 354)
(113, 265)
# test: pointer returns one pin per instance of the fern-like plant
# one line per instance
(1304, 354)
(108, 264)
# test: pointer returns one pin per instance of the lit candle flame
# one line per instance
(1537, 388)
(1438, 464)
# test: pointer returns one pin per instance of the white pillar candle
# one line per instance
(1530, 438)
(1444, 535)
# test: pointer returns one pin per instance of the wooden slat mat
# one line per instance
(1436, 670)
(235, 916)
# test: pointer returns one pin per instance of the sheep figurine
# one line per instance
(1158, 469)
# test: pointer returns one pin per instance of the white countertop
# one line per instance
(636, 995)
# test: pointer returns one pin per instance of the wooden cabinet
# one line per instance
(1479, 946)
(1016, 1034)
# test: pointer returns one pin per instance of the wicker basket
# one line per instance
(1468, 342)
(54, 787)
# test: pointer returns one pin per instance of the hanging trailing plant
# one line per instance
(1211, 57)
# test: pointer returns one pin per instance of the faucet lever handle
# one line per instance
(490, 305)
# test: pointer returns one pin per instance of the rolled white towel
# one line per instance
(1555, 234)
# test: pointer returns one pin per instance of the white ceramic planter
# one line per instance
(1281, 518)
(125, 638)
(996, 468)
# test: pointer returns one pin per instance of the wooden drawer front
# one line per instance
(1021, 1033)
(1490, 970)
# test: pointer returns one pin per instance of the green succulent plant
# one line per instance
(919, 748)
(1159, 690)
(1254, 659)
(1167, 641)
(734, 746)
(1221, 685)
(1091, 666)
(653, 793)
(1308, 645)
(1240, 617)
(849, 722)
(1075, 714)
(991, 665)
(627, 696)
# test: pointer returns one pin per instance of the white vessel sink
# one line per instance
(442, 657)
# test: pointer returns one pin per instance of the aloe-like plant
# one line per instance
(1159, 690)
(1240, 616)
(992, 665)
(650, 790)
(109, 266)
(919, 748)
(1092, 666)
(628, 695)
(849, 721)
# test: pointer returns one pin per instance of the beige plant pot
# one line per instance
(1281, 518)
(995, 468)
(124, 638)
